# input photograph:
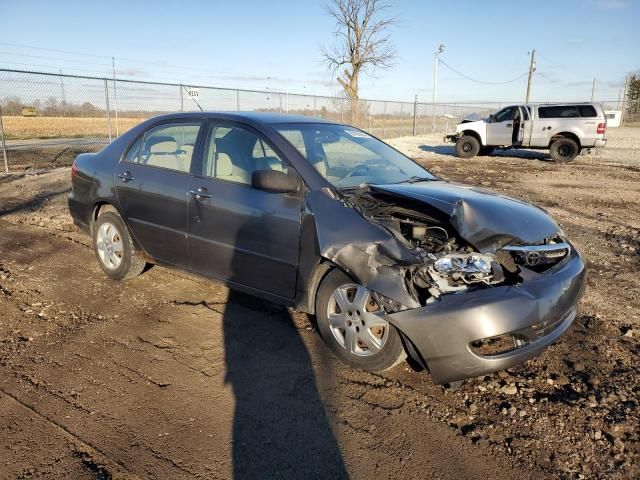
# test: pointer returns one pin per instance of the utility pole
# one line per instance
(593, 89)
(532, 68)
(115, 93)
(439, 50)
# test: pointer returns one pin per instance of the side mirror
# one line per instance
(275, 181)
(492, 118)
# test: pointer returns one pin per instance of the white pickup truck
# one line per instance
(565, 129)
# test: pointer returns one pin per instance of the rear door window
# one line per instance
(587, 111)
(167, 146)
(563, 111)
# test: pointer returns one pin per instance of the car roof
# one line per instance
(251, 117)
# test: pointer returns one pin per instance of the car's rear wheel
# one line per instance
(352, 324)
(467, 146)
(114, 248)
(564, 150)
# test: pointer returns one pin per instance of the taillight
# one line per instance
(74, 169)
(601, 128)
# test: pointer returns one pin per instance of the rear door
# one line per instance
(553, 119)
(152, 184)
(237, 233)
(500, 129)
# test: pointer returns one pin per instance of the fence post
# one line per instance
(342, 110)
(4, 146)
(106, 97)
(415, 108)
(384, 121)
(238, 100)
(286, 98)
(181, 99)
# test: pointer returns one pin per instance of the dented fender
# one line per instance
(370, 254)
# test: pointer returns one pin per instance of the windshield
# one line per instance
(348, 157)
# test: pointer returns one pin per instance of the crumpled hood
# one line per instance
(486, 219)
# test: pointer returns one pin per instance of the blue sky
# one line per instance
(277, 45)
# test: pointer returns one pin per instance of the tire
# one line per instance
(358, 321)
(467, 146)
(486, 151)
(114, 248)
(564, 150)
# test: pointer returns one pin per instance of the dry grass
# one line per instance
(63, 127)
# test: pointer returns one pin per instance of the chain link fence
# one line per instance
(47, 119)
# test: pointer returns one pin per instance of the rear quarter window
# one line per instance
(587, 111)
(564, 111)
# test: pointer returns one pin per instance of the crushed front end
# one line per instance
(486, 296)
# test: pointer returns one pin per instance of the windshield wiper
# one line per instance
(414, 179)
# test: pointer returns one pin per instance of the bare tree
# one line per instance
(362, 44)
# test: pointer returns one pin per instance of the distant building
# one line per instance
(613, 118)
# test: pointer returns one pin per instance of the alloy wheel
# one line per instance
(356, 320)
(109, 245)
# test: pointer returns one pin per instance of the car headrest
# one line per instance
(224, 167)
(166, 146)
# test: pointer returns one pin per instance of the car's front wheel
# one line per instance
(352, 324)
(467, 146)
(114, 248)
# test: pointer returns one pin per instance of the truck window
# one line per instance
(564, 111)
(505, 114)
(587, 111)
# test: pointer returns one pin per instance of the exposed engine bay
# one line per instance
(448, 264)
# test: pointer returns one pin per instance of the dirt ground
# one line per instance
(173, 376)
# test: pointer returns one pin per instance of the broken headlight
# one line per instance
(457, 271)
(464, 263)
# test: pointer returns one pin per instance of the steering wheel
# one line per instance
(358, 169)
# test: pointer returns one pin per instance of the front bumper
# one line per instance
(541, 308)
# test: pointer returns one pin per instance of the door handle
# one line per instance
(509, 125)
(126, 176)
(200, 193)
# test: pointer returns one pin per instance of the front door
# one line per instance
(237, 233)
(500, 128)
(152, 184)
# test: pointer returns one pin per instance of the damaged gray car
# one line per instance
(392, 260)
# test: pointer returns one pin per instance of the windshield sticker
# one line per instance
(356, 133)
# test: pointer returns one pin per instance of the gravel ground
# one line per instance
(171, 376)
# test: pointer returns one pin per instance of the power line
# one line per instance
(482, 81)
(54, 50)
(81, 62)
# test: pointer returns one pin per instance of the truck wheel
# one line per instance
(486, 151)
(114, 248)
(564, 150)
(467, 146)
(352, 324)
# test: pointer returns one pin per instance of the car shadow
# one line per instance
(449, 150)
(280, 426)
